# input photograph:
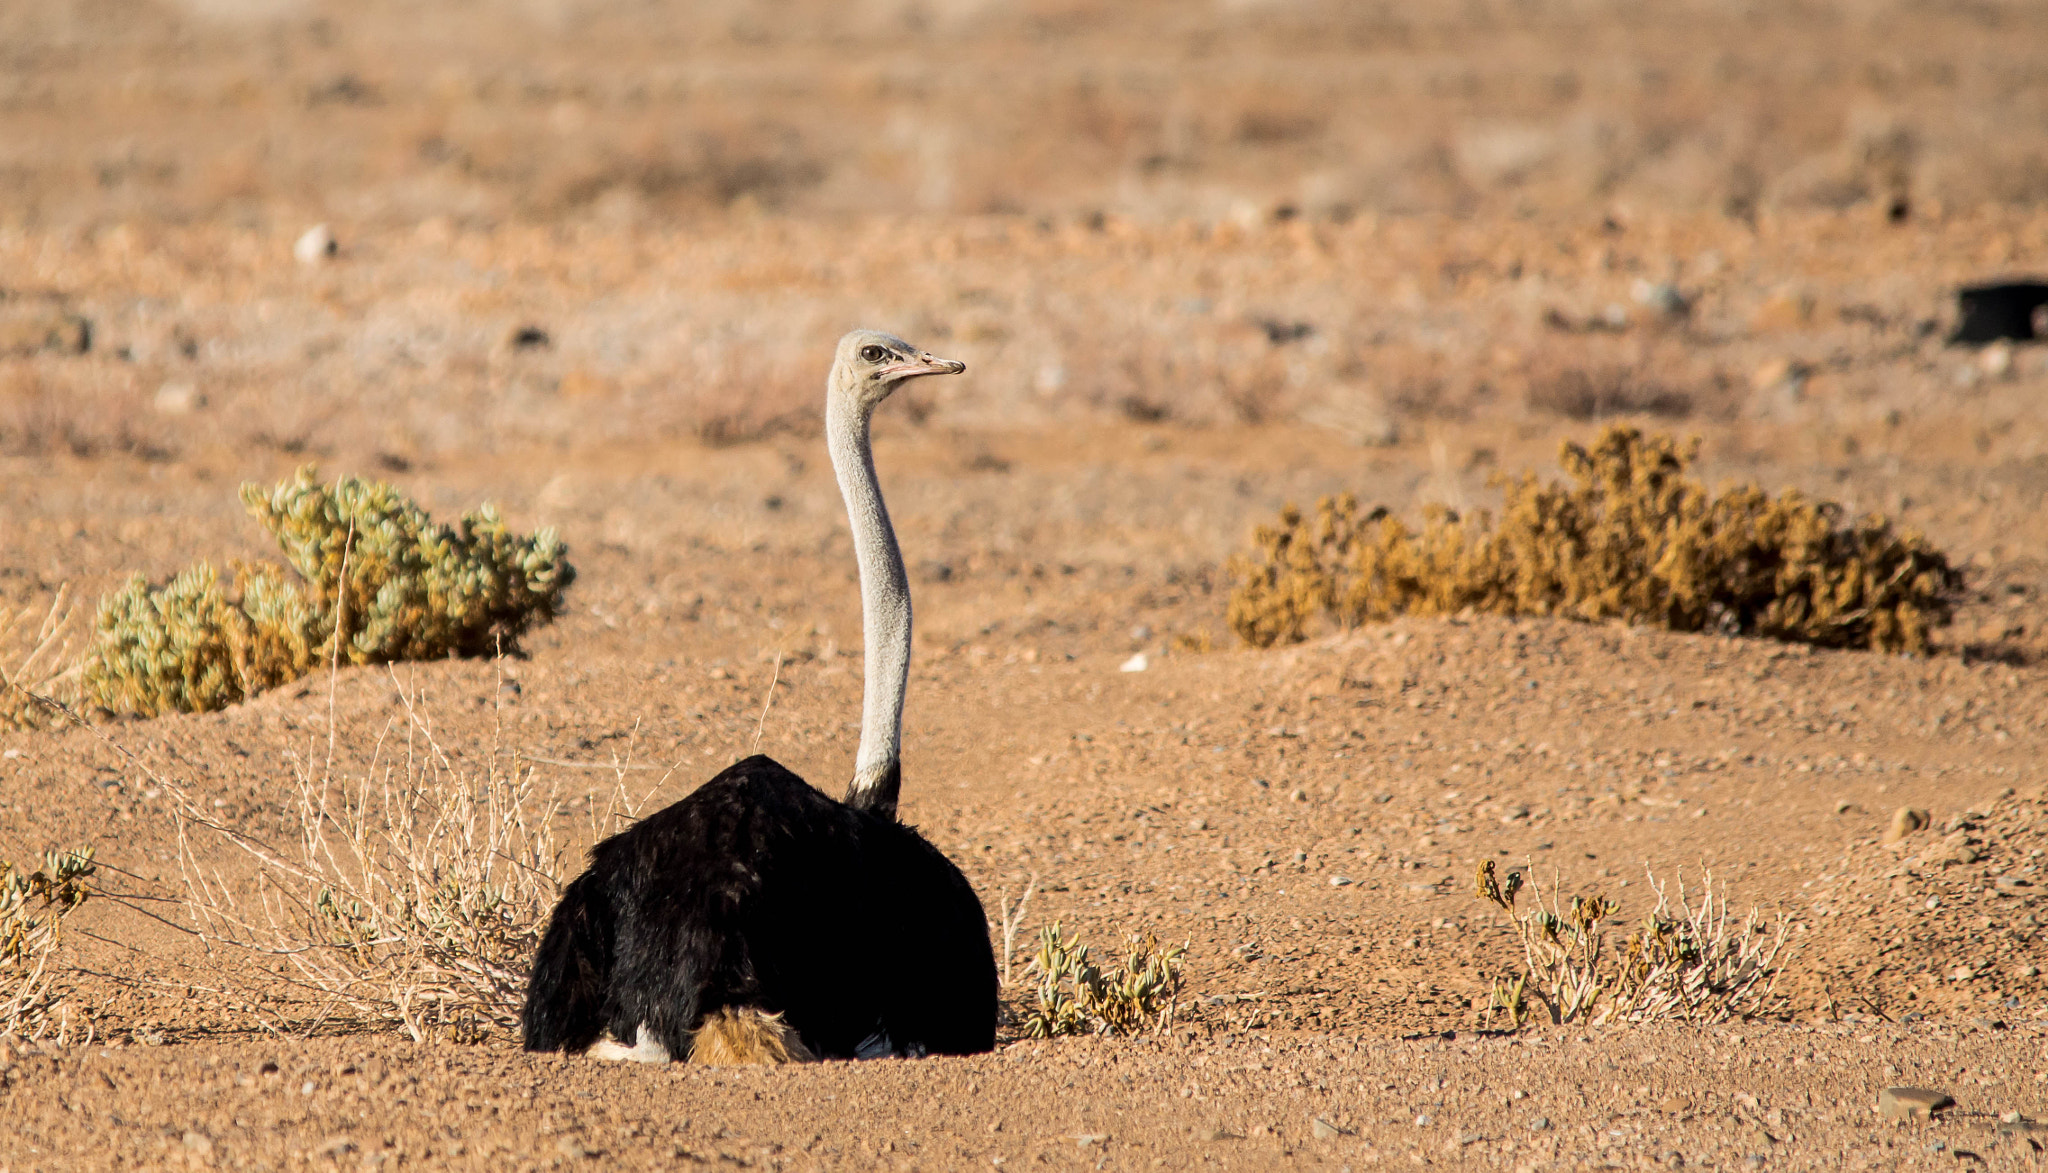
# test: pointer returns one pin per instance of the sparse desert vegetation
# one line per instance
(408, 896)
(1631, 538)
(377, 582)
(1684, 960)
(34, 979)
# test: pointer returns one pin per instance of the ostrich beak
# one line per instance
(923, 364)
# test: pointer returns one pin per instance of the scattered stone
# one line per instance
(1961, 973)
(177, 398)
(1137, 663)
(1912, 1103)
(200, 1143)
(1996, 361)
(32, 325)
(315, 245)
(1298, 795)
(1089, 1138)
(573, 1149)
(1423, 1121)
(1661, 296)
(1905, 821)
(1782, 311)
(1325, 1130)
(1339, 881)
(1198, 824)
(1954, 848)
(1844, 806)
(2030, 971)
(2021, 1127)
(530, 338)
(1540, 1124)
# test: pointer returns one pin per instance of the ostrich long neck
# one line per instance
(884, 610)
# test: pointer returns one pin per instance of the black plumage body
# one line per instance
(757, 891)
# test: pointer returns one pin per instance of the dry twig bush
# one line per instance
(1684, 961)
(1631, 538)
(1074, 996)
(377, 581)
(35, 661)
(33, 908)
(411, 896)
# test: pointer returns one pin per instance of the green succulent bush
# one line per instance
(1632, 537)
(376, 581)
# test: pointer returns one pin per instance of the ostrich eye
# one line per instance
(873, 354)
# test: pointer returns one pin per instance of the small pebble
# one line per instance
(177, 398)
(1339, 881)
(1137, 663)
(1905, 821)
(1540, 1124)
(315, 245)
(1198, 824)
(1912, 1103)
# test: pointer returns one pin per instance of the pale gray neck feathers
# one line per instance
(884, 608)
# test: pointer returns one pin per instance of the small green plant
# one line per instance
(1683, 961)
(1074, 996)
(377, 581)
(33, 908)
(1631, 538)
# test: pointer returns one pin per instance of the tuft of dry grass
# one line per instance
(1684, 961)
(35, 661)
(33, 908)
(410, 896)
(1632, 537)
(1074, 996)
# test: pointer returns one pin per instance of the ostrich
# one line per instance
(758, 920)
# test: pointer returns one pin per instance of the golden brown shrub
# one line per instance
(1632, 537)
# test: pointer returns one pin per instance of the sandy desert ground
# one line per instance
(1201, 261)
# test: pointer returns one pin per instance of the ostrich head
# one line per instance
(871, 364)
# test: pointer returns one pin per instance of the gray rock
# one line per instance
(1912, 1103)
